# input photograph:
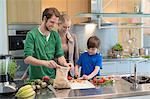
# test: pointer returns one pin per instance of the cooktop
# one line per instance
(140, 79)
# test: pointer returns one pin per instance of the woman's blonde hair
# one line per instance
(63, 18)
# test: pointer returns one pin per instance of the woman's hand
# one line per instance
(51, 64)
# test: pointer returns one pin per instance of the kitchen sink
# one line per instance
(140, 79)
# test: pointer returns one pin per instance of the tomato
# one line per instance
(109, 77)
(45, 78)
(101, 81)
(94, 80)
(103, 78)
(69, 78)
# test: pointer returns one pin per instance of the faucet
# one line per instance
(135, 83)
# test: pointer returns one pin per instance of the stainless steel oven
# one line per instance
(16, 42)
(16, 36)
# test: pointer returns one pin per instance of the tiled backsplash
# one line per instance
(108, 37)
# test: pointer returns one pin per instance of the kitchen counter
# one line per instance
(120, 88)
(124, 59)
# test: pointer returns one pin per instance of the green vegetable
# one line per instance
(148, 57)
(117, 47)
(51, 81)
(107, 83)
(43, 84)
(29, 82)
(38, 87)
(2, 67)
(34, 87)
(12, 68)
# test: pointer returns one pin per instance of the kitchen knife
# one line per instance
(50, 87)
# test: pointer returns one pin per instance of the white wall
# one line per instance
(3, 28)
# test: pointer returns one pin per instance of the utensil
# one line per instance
(81, 78)
(5, 65)
(50, 87)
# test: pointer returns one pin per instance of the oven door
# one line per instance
(16, 47)
(16, 42)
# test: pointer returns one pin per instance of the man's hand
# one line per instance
(70, 65)
(51, 64)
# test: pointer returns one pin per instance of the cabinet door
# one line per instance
(24, 11)
(77, 6)
(123, 67)
(61, 5)
(109, 68)
(71, 7)
(142, 68)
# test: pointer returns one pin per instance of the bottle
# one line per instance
(146, 52)
(136, 8)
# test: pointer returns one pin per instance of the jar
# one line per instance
(141, 51)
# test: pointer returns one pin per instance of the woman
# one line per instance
(69, 40)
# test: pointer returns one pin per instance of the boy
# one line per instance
(90, 61)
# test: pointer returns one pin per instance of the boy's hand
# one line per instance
(76, 74)
(85, 77)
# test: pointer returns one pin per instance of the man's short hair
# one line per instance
(49, 12)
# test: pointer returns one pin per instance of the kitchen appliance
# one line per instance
(5, 85)
(16, 38)
(140, 79)
(16, 42)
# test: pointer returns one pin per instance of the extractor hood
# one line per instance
(97, 14)
(127, 15)
(97, 11)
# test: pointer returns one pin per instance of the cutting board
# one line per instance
(82, 85)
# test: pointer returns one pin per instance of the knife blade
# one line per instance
(50, 87)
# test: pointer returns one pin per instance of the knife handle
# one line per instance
(76, 76)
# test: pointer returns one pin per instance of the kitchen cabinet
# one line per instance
(123, 67)
(24, 11)
(143, 68)
(109, 68)
(136, 97)
(61, 5)
(116, 68)
(76, 6)
(70, 7)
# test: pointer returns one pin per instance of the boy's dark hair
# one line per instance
(49, 12)
(93, 42)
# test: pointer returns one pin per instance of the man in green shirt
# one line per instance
(42, 45)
